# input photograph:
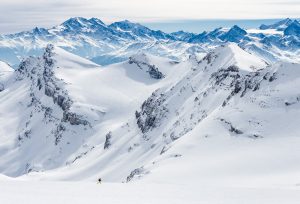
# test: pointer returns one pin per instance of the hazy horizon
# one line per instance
(195, 26)
(19, 15)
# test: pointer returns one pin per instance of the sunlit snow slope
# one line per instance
(228, 119)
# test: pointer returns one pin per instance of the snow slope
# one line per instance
(247, 134)
(223, 125)
(63, 106)
(5, 72)
(84, 192)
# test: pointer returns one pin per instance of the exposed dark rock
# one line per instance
(58, 133)
(80, 156)
(152, 111)
(41, 73)
(154, 72)
(273, 77)
(231, 127)
(74, 119)
(136, 173)
(107, 143)
(233, 68)
(151, 69)
(209, 57)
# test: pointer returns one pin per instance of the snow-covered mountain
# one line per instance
(229, 116)
(216, 111)
(60, 104)
(108, 44)
(281, 25)
(180, 117)
(92, 39)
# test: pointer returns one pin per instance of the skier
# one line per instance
(99, 180)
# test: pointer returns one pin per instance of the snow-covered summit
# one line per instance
(235, 34)
(293, 29)
(108, 44)
(234, 55)
(281, 25)
(138, 30)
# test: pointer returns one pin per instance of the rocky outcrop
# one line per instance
(107, 143)
(151, 69)
(151, 113)
(136, 174)
(54, 89)
(40, 72)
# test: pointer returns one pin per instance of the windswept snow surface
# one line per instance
(15, 192)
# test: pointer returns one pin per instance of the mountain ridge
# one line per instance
(136, 117)
(107, 44)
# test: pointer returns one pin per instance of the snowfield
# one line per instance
(219, 125)
(14, 192)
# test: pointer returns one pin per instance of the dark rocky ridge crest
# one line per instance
(40, 72)
(150, 68)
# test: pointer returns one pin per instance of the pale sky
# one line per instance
(17, 15)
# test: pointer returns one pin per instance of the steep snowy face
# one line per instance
(182, 35)
(224, 101)
(219, 76)
(5, 72)
(235, 34)
(220, 35)
(77, 23)
(293, 29)
(43, 128)
(139, 31)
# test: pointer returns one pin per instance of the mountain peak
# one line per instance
(280, 25)
(96, 21)
(182, 35)
(75, 23)
(237, 29)
(39, 31)
(126, 25)
(83, 24)
(75, 20)
(235, 34)
(235, 55)
(293, 29)
(138, 31)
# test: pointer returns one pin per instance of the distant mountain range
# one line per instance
(107, 44)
